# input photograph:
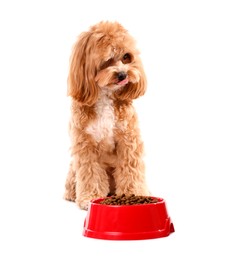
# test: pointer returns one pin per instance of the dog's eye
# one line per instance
(126, 58)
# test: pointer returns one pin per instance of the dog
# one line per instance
(105, 76)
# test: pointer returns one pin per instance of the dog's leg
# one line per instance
(91, 180)
(70, 185)
(130, 171)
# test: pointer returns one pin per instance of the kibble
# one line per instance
(128, 200)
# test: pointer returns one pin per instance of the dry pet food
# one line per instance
(128, 200)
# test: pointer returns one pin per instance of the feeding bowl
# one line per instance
(127, 222)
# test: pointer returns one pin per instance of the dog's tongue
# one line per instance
(123, 82)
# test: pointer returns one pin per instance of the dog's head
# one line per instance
(105, 57)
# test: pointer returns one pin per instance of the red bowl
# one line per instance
(127, 222)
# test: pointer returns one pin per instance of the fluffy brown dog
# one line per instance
(105, 75)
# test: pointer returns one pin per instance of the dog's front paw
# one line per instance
(140, 191)
(83, 201)
(69, 195)
(83, 204)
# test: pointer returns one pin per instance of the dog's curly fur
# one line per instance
(105, 75)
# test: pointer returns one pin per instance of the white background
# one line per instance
(184, 118)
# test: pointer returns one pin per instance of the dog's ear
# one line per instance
(82, 71)
(136, 89)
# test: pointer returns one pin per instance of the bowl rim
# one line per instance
(97, 200)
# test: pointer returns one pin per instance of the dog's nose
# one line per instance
(121, 75)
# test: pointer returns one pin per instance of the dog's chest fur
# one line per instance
(103, 125)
